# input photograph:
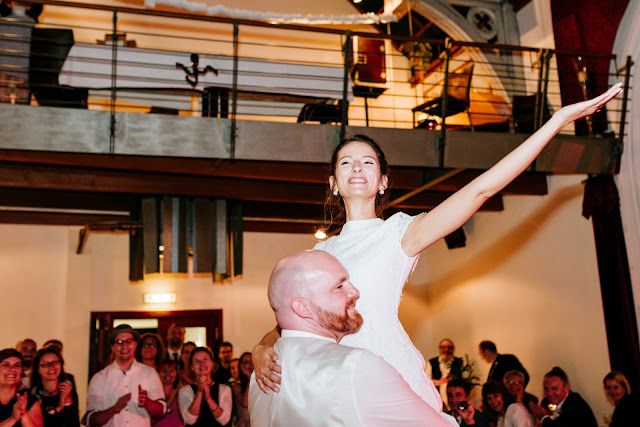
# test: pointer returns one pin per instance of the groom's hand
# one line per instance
(266, 368)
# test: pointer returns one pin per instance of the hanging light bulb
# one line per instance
(320, 234)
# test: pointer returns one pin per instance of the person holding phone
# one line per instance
(461, 405)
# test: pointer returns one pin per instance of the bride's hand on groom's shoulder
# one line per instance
(266, 369)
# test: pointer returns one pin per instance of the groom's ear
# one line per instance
(302, 308)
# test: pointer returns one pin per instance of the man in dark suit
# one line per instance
(500, 363)
(462, 407)
(561, 406)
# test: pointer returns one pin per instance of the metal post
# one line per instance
(348, 53)
(234, 92)
(114, 72)
(443, 114)
(623, 112)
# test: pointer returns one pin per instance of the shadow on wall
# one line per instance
(494, 254)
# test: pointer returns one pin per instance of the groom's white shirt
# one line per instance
(328, 384)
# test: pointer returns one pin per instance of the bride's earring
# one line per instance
(381, 192)
(335, 192)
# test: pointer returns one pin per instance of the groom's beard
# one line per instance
(340, 323)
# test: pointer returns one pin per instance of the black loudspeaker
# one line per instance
(457, 239)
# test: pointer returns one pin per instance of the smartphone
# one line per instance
(463, 406)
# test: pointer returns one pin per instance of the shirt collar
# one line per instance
(286, 333)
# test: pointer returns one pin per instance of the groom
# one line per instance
(324, 383)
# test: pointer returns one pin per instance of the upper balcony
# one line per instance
(250, 110)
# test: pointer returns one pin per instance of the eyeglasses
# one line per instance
(149, 345)
(128, 341)
(515, 382)
(48, 365)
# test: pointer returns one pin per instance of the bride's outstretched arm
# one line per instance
(429, 227)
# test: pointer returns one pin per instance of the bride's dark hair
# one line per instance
(334, 210)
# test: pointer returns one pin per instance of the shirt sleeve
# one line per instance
(155, 391)
(185, 399)
(428, 370)
(384, 398)
(225, 398)
(95, 395)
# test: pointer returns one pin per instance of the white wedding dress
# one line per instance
(371, 252)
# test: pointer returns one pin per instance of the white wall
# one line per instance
(527, 280)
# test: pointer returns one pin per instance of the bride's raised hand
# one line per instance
(582, 109)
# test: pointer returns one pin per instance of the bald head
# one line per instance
(310, 287)
(294, 276)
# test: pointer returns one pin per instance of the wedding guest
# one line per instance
(57, 344)
(462, 406)
(500, 363)
(150, 351)
(562, 406)
(126, 392)
(514, 381)
(22, 409)
(168, 375)
(499, 406)
(241, 390)
(175, 339)
(225, 354)
(59, 401)
(445, 367)
(618, 392)
(27, 348)
(205, 402)
(185, 376)
(235, 371)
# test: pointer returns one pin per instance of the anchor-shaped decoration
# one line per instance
(193, 72)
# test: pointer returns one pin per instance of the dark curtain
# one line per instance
(602, 204)
(585, 26)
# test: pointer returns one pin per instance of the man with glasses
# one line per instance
(126, 392)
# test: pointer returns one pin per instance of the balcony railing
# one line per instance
(148, 61)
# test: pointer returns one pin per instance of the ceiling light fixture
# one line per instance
(160, 298)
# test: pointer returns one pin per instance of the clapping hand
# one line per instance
(20, 407)
(121, 403)
(142, 396)
(65, 395)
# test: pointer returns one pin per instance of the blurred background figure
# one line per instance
(185, 376)
(168, 375)
(27, 348)
(514, 381)
(175, 339)
(235, 371)
(500, 407)
(241, 390)
(59, 401)
(150, 351)
(618, 392)
(225, 355)
(443, 368)
(23, 408)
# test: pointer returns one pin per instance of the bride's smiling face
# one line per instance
(357, 172)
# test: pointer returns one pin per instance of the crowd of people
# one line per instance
(146, 383)
(505, 401)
